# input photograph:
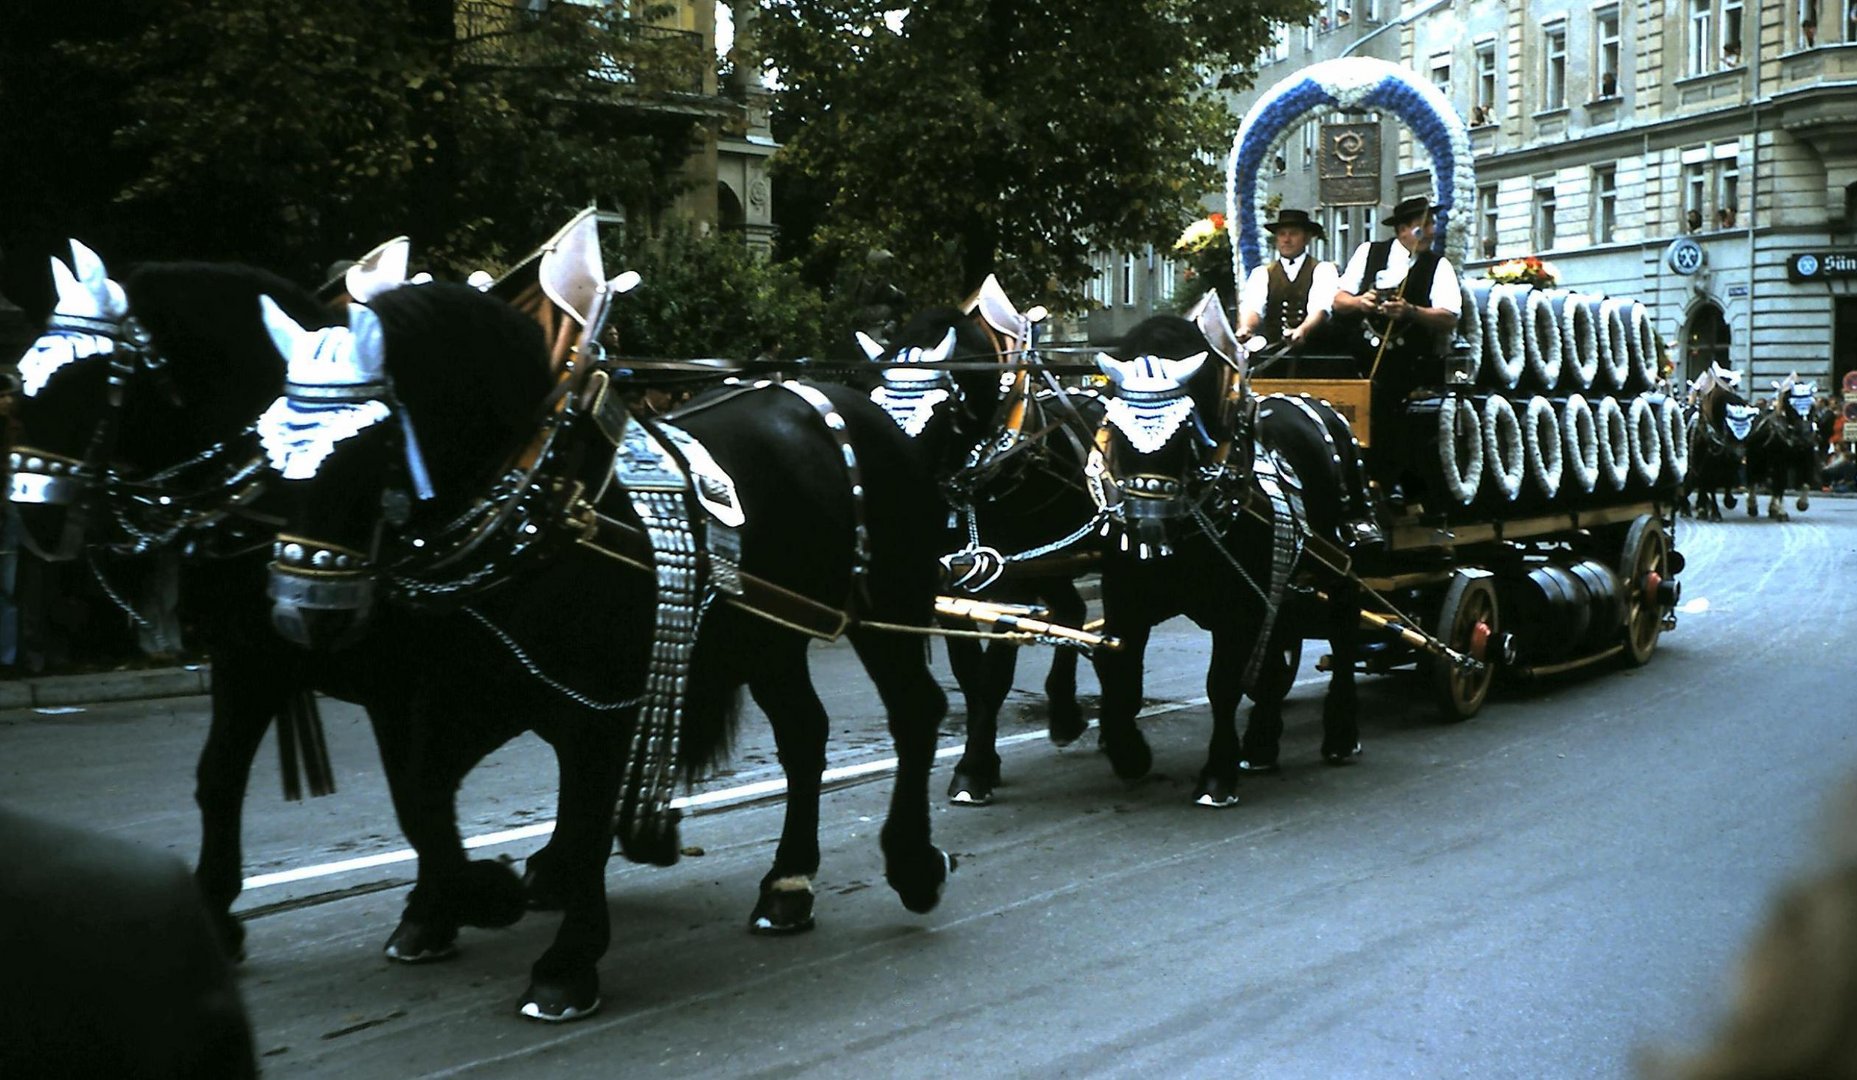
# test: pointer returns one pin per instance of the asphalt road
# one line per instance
(1545, 891)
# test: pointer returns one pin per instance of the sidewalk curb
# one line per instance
(56, 690)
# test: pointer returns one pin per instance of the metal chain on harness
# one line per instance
(535, 669)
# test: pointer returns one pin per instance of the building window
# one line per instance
(1099, 279)
(1128, 279)
(1308, 146)
(1732, 11)
(1695, 195)
(1605, 204)
(1701, 36)
(1554, 67)
(1441, 73)
(1808, 23)
(1483, 110)
(1544, 215)
(1486, 220)
(1606, 52)
(1727, 193)
(1344, 233)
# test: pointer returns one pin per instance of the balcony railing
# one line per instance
(662, 59)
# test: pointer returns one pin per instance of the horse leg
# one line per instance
(1218, 777)
(785, 693)
(245, 697)
(425, 758)
(977, 773)
(912, 864)
(1120, 673)
(1340, 708)
(1063, 716)
(564, 982)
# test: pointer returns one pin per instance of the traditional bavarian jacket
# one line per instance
(1284, 291)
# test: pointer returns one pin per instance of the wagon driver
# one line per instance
(1407, 300)
(1288, 298)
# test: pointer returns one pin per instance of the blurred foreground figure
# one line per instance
(1795, 1014)
(111, 965)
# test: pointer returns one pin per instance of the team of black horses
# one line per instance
(430, 504)
(1735, 443)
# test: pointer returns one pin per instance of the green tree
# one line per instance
(291, 134)
(709, 296)
(969, 136)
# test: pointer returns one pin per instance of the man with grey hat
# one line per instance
(1288, 298)
(1406, 299)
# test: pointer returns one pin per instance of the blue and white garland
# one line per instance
(1349, 83)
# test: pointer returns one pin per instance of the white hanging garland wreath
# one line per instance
(1502, 446)
(1458, 424)
(1614, 345)
(1643, 339)
(1614, 442)
(1579, 340)
(1541, 339)
(1503, 354)
(1541, 445)
(1470, 328)
(1674, 439)
(1580, 436)
(1643, 424)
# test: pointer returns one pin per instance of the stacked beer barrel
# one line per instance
(1564, 408)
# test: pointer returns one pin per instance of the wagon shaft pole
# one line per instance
(1418, 639)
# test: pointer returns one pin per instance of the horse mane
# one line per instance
(203, 319)
(470, 370)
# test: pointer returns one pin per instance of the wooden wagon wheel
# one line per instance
(1469, 622)
(1644, 565)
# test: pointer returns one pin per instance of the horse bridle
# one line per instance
(153, 510)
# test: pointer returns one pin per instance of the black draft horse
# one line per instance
(1020, 529)
(1784, 451)
(465, 380)
(1718, 435)
(1174, 472)
(136, 433)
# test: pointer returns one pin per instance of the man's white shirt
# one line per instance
(1256, 294)
(1445, 291)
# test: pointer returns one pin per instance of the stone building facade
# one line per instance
(1700, 155)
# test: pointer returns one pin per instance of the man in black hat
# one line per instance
(1406, 299)
(1288, 298)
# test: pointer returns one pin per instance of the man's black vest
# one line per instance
(1410, 341)
(1287, 303)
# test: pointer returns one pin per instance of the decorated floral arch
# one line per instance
(1354, 82)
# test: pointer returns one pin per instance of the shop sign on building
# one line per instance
(1348, 168)
(1821, 265)
(1684, 256)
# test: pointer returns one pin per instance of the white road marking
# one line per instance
(716, 799)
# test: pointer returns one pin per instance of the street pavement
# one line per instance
(1551, 889)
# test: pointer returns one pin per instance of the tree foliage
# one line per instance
(969, 136)
(292, 134)
(709, 296)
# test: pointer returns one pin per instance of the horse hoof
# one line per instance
(785, 908)
(1129, 756)
(1216, 792)
(1803, 504)
(971, 789)
(1729, 501)
(421, 943)
(561, 1002)
(923, 894)
(1259, 768)
(1066, 725)
(1341, 757)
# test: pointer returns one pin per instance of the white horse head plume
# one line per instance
(89, 317)
(913, 389)
(335, 388)
(379, 270)
(1151, 401)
